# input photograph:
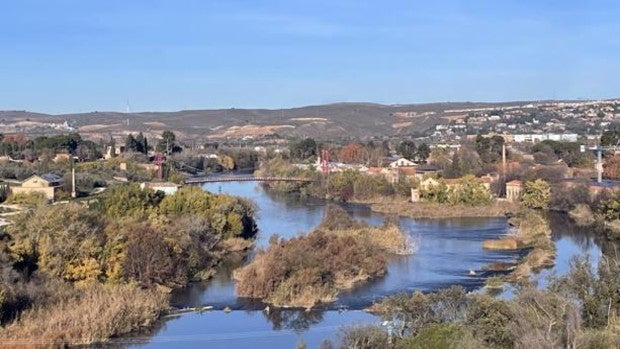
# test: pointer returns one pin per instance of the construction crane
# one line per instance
(599, 149)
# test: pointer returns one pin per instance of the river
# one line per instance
(446, 251)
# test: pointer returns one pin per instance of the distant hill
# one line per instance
(340, 120)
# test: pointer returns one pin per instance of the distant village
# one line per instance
(501, 147)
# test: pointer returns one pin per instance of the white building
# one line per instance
(167, 187)
(535, 137)
(402, 162)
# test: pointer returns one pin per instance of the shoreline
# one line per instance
(424, 210)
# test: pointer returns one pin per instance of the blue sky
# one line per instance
(75, 55)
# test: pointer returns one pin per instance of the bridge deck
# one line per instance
(198, 180)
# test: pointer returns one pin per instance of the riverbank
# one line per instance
(77, 275)
(86, 315)
(432, 267)
(427, 210)
(531, 232)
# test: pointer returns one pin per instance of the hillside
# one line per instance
(340, 120)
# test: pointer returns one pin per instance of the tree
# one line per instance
(489, 148)
(439, 193)
(440, 158)
(167, 143)
(127, 201)
(352, 153)
(536, 194)
(457, 167)
(610, 138)
(130, 143)
(407, 149)
(548, 151)
(611, 167)
(88, 151)
(141, 144)
(304, 149)
(340, 185)
(148, 258)
(424, 151)
(470, 191)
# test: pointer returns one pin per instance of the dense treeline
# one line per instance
(549, 152)
(369, 153)
(19, 147)
(227, 159)
(339, 186)
(129, 240)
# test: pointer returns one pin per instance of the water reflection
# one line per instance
(293, 319)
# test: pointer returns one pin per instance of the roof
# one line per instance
(426, 168)
(514, 182)
(608, 184)
(51, 177)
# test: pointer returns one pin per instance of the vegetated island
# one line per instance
(312, 269)
(432, 210)
(531, 231)
(81, 273)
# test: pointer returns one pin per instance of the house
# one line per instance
(513, 190)
(112, 151)
(423, 171)
(167, 188)
(415, 195)
(402, 162)
(47, 184)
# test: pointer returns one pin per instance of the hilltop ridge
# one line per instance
(337, 120)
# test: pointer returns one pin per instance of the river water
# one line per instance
(446, 251)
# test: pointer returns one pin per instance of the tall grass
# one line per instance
(312, 269)
(430, 210)
(91, 315)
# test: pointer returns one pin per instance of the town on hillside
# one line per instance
(70, 166)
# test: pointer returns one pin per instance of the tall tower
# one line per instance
(325, 161)
(159, 161)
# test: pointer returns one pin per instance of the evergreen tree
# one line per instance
(141, 144)
(167, 143)
(145, 144)
(407, 149)
(423, 152)
(131, 143)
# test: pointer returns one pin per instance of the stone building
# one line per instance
(48, 184)
(513, 190)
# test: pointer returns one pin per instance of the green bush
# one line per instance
(536, 194)
(439, 336)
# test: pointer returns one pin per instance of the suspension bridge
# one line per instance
(216, 179)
